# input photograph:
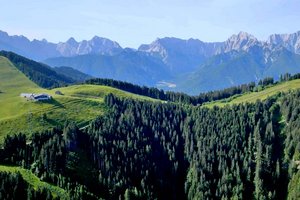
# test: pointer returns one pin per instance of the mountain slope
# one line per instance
(181, 56)
(72, 73)
(12, 83)
(238, 67)
(79, 103)
(289, 41)
(283, 61)
(129, 65)
(252, 97)
(41, 74)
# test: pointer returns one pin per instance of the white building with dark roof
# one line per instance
(36, 97)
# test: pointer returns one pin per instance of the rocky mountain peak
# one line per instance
(155, 47)
(96, 40)
(245, 36)
(3, 34)
(241, 41)
(71, 41)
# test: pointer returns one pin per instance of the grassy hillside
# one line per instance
(261, 95)
(12, 83)
(35, 182)
(80, 103)
(41, 74)
(294, 187)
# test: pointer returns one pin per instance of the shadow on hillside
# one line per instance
(52, 122)
(52, 102)
(56, 103)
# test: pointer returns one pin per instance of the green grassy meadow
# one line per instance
(254, 96)
(79, 103)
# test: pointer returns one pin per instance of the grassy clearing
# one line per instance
(35, 182)
(294, 187)
(254, 96)
(98, 91)
(79, 103)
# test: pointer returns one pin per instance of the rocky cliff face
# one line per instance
(172, 51)
(96, 45)
(289, 41)
(181, 55)
(242, 41)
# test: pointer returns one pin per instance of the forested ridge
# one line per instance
(151, 150)
(180, 97)
(39, 73)
(14, 187)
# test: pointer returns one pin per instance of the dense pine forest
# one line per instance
(165, 150)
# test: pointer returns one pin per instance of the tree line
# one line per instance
(180, 97)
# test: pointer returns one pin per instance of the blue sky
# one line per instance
(133, 22)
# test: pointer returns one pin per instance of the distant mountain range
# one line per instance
(129, 65)
(192, 65)
(42, 49)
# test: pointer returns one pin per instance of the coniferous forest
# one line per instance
(160, 150)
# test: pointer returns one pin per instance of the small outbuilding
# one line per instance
(58, 92)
